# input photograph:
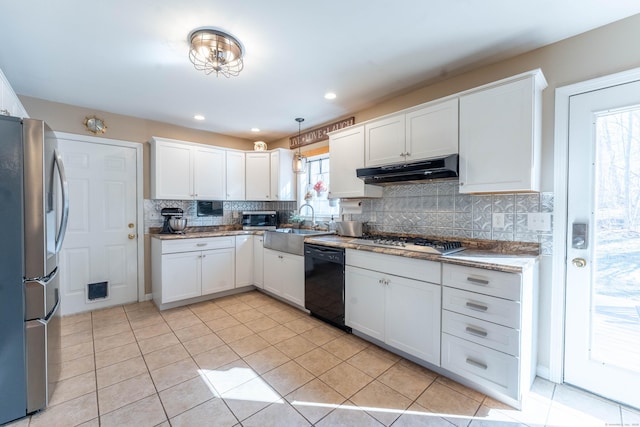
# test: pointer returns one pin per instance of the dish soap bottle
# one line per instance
(332, 225)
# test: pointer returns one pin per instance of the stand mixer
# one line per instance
(173, 222)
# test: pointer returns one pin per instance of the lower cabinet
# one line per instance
(258, 261)
(284, 275)
(188, 268)
(244, 260)
(402, 312)
(488, 328)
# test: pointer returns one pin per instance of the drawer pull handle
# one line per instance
(476, 307)
(478, 281)
(202, 244)
(476, 332)
(476, 363)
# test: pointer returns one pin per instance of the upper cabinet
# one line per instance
(283, 182)
(184, 171)
(258, 182)
(500, 127)
(423, 133)
(10, 105)
(346, 154)
(235, 175)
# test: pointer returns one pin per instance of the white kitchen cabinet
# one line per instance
(244, 260)
(500, 126)
(258, 261)
(209, 173)
(432, 131)
(489, 328)
(395, 300)
(258, 175)
(218, 270)
(284, 275)
(346, 154)
(235, 175)
(418, 134)
(184, 269)
(283, 182)
(10, 104)
(385, 141)
(185, 171)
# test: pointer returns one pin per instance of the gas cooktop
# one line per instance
(415, 244)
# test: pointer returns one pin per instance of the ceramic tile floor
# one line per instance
(251, 360)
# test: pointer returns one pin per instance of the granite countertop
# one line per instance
(507, 260)
(479, 258)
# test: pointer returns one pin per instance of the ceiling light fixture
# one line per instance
(329, 95)
(299, 161)
(198, 117)
(212, 50)
(255, 130)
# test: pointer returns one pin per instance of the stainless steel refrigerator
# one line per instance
(34, 210)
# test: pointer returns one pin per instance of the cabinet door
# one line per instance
(385, 141)
(181, 276)
(283, 182)
(292, 276)
(272, 268)
(432, 131)
(209, 175)
(172, 174)
(218, 270)
(258, 261)
(258, 182)
(244, 260)
(365, 301)
(413, 317)
(346, 154)
(497, 135)
(235, 176)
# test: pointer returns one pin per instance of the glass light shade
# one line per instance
(299, 163)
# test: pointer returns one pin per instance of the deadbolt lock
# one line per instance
(131, 225)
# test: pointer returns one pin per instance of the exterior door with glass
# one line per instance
(602, 335)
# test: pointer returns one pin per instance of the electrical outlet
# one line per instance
(498, 220)
(154, 215)
(539, 221)
(236, 214)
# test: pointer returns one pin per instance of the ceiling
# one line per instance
(130, 57)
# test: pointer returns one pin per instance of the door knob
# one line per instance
(131, 236)
(579, 262)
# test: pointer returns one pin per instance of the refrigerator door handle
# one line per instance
(65, 200)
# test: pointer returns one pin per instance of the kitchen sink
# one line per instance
(290, 240)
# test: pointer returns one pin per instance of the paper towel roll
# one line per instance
(350, 206)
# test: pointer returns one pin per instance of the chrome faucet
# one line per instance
(313, 215)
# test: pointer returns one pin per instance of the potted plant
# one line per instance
(295, 220)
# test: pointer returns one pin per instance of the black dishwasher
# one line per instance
(324, 283)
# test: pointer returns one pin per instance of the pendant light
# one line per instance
(299, 161)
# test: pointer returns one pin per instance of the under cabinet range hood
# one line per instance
(441, 167)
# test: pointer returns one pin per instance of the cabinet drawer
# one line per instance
(496, 283)
(482, 365)
(200, 244)
(418, 269)
(491, 309)
(484, 333)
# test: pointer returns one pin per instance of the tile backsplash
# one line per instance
(436, 208)
(232, 212)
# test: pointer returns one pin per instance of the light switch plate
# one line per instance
(539, 221)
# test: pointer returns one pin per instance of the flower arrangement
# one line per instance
(320, 187)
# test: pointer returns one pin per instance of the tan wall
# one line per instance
(69, 118)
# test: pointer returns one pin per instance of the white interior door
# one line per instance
(602, 336)
(101, 241)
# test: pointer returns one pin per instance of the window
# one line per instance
(313, 188)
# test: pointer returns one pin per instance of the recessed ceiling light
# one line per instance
(329, 95)
(198, 117)
(255, 130)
